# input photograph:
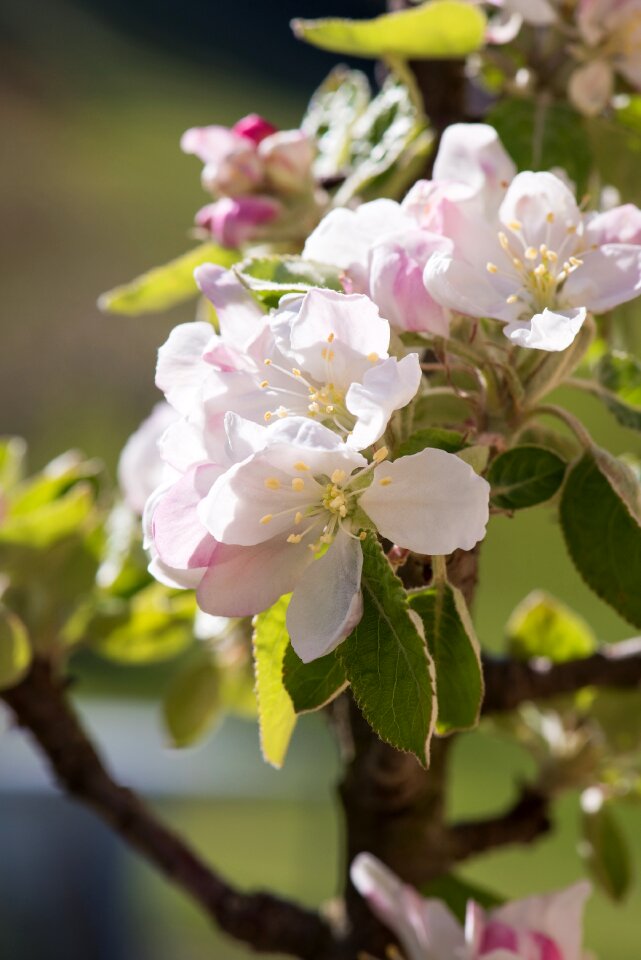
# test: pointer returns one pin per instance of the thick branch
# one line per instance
(511, 682)
(526, 821)
(265, 922)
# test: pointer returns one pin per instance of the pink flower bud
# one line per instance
(288, 160)
(234, 221)
(240, 171)
(254, 128)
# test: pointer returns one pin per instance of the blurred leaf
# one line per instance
(476, 456)
(270, 278)
(333, 109)
(165, 286)
(542, 626)
(44, 525)
(237, 689)
(312, 685)
(455, 651)
(192, 704)
(12, 454)
(437, 29)
(563, 139)
(15, 649)
(618, 713)
(620, 374)
(387, 663)
(524, 476)
(276, 715)
(456, 892)
(600, 514)
(449, 440)
(604, 847)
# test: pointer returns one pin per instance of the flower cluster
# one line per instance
(538, 928)
(261, 179)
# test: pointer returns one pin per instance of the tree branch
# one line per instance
(509, 683)
(262, 920)
(526, 821)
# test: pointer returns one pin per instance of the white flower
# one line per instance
(140, 468)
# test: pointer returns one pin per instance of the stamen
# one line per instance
(338, 476)
(298, 484)
(299, 465)
(331, 337)
(541, 270)
(576, 262)
(267, 362)
(294, 538)
(515, 225)
(272, 483)
(373, 357)
(298, 518)
(385, 481)
(296, 372)
(491, 267)
(380, 455)
(531, 253)
(264, 383)
(268, 416)
(512, 298)
(550, 217)
(267, 518)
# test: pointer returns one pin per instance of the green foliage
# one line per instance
(12, 454)
(436, 29)
(332, 112)
(455, 651)
(387, 663)
(542, 626)
(524, 476)
(270, 278)
(620, 375)
(15, 649)
(455, 892)
(193, 701)
(312, 685)
(541, 138)
(276, 715)
(600, 515)
(604, 848)
(165, 286)
(449, 440)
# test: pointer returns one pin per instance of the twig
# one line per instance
(525, 822)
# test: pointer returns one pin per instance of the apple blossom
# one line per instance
(611, 34)
(544, 927)
(539, 268)
(140, 468)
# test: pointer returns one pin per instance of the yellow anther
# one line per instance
(491, 267)
(571, 228)
(512, 298)
(505, 184)
(380, 455)
(561, 276)
(516, 262)
(541, 270)
(331, 337)
(531, 253)
(550, 217)
(373, 357)
(282, 412)
(385, 481)
(326, 538)
(503, 240)
(362, 535)
(298, 518)
(264, 383)
(515, 225)
(267, 362)
(272, 483)
(552, 256)
(329, 409)
(294, 538)
(268, 416)
(313, 408)
(576, 262)
(267, 518)
(298, 484)
(543, 250)
(299, 465)
(296, 372)
(338, 476)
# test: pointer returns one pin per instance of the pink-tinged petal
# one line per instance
(540, 13)
(431, 502)
(238, 172)
(531, 199)
(386, 387)
(558, 916)
(608, 276)
(618, 225)
(467, 288)
(246, 580)
(254, 128)
(140, 469)
(327, 603)
(179, 537)
(590, 87)
(498, 936)
(503, 28)
(209, 144)
(234, 221)
(288, 158)
(550, 330)
(170, 577)
(183, 444)
(548, 949)
(473, 154)
(181, 369)
(241, 319)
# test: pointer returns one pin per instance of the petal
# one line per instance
(473, 154)
(541, 13)
(236, 220)
(181, 369)
(170, 577)
(140, 468)
(530, 200)
(435, 503)
(327, 603)
(558, 915)
(607, 277)
(209, 144)
(179, 536)
(619, 225)
(288, 158)
(386, 387)
(241, 319)
(590, 87)
(245, 580)
(549, 330)
(466, 287)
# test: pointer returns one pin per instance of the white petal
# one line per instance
(467, 288)
(608, 276)
(179, 537)
(386, 387)
(541, 13)
(549, 330)
(140, 468)
(590, 87)
(530, 199)
(473, 154)
(558, 915)
(181, 370)
(171, 577)
(621, 224)
(241, 319)
(434, 504)
(327, 603)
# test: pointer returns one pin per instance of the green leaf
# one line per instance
(556, 138)
(542, 626)
(524, 476)
(12, 454)
(333, 109)
(476, 456)
(270, 278)
(434, 30)
(620, 374)
(46, 524)
(455, 651)
(193, 701)
(387, 663)
(600, 514)
(165, 286)
(276, 715)
(15, 649)
(449, 440)
(456, 892)
(604, 847)
(155, 625)
(312, 685)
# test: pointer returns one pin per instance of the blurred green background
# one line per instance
(94, 190)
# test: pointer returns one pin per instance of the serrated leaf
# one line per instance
(15, 649)
(605, 849)
(449, 440)
(193, 701)
(557, 139)
(455, 651)
(542, 626)
(620, 374)
(600, 514)
(165, 286)
(333, 109)
(524, 476)
(387, 663)
(312, 685)
(270, 278)
(457, 892)
(276, 715)
(437, 29)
